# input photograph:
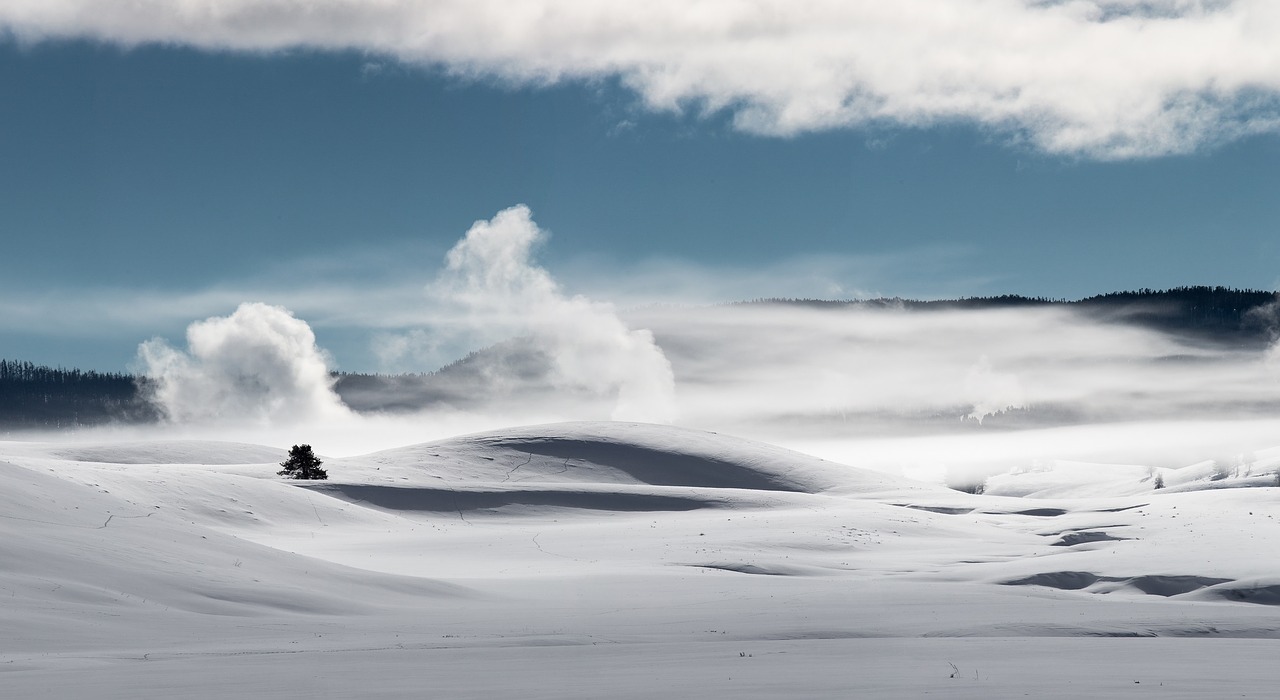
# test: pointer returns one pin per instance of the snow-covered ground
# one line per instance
(590, 560)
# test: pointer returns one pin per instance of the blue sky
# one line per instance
(151, 176)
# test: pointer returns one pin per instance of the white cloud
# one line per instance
(1103, 78)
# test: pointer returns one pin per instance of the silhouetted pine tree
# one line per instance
(302, 464)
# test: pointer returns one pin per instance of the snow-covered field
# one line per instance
(590, 560)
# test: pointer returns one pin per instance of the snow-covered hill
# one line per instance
(622, 560)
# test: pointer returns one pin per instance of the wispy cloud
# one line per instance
(92, 312)
(379, 298)
(1099, 78)
(803, 276)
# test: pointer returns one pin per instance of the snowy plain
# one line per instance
(609, 559)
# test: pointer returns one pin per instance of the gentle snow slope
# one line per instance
(593, 559)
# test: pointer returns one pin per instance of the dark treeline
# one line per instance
(384, 392)
(1215, 313)
(34, 396)
(900, 304)
(1222, 314)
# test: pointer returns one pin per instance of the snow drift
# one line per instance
(562, 552)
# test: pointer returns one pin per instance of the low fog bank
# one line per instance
(928, 394)
(921, 389)
(854, 371)
(878, 370)
(941, 395)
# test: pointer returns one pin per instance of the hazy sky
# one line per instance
(161, 163)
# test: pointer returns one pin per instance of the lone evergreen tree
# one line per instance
(302, 464)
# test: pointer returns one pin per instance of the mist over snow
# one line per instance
(991, 392)
(260, 365)
(926, 393)
(976, 391)
(259, 373)
(1100, 78)
(762, 362)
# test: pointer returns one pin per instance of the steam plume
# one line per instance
(491, 274)
(258, 365)
(991, 391)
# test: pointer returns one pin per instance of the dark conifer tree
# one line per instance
(302, 464)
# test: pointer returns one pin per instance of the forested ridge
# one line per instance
(1216, 313)
(35, 396)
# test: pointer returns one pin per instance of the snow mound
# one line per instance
(172, 452)
(1164, 585)
(616, 453)
(422, 499)
(536, 550)
(1263, 591)
(81, 546)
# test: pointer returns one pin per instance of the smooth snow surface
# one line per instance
(593, 560)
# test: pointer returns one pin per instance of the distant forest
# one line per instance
(38, 397)
(32, 396)
(1215, 314)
